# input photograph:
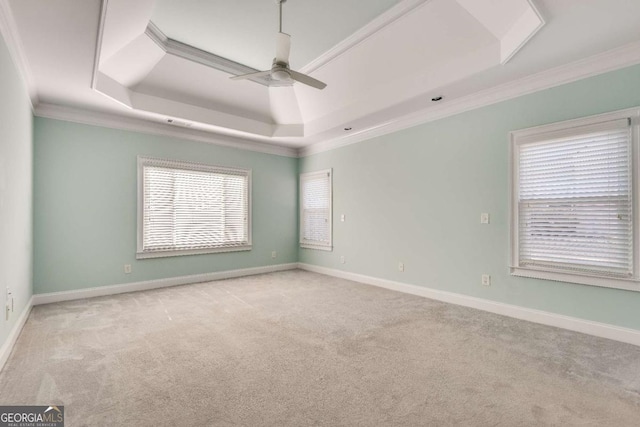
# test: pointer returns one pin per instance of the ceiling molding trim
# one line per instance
(612, 60)
(96, 58)
(115, 121)
(208, 59)
(542, 23)
(387, 18)
(156, 34)
(9, 31)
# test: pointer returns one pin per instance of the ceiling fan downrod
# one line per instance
(280, 70)
(280, 7)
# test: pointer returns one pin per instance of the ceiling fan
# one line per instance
(280, 70)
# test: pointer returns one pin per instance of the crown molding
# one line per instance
(387, 18)
(98, 49)
(181, 50)
(202, 57)
(523, 42)
(193, 54)
(611, 60)
(11, 36)
(115, 121)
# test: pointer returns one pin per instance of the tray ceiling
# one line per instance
(383, 60)
(244, 31)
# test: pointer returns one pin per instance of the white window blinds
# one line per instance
(315, 210)
(192, 208)
(575, 201)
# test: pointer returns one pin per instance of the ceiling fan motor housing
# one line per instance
(280, 71)
(280, 74)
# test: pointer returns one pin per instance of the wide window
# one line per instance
(189, 208)
(574, 201)
(315, 210)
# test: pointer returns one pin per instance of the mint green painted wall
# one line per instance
(85, 206)
(416, 196)
(413, 196)
(16, 184)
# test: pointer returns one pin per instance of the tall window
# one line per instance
(188, 208)
(315, 210)
(574, 201)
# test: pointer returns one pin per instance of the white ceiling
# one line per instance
(244, 31)
(383, 60)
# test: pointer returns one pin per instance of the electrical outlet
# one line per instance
(8, 306)
(127, 269)
(274, 254)
(401, 266)
(342, 218)
(486, 280)
(484, 218)
(342, 260)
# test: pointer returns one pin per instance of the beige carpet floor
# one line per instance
(302, 349)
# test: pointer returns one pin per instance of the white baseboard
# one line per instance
(603, 330)
(7, 347)
(52, 297)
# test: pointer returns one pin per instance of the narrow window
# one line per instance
(315, 210)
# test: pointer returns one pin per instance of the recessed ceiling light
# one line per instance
(436, 98)
(348, 129)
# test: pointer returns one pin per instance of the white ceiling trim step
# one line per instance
(612, 60)
(98, 49)
(524, 24)
(11, 36)
(521, 32)
(387, 18)
(114, 121)
(208, 59)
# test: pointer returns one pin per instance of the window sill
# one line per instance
(174, 253)
(607, 282)
(317, 247)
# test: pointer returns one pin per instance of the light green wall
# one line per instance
(413, 196)
(85, 206)
(416, 196)
(16, 160)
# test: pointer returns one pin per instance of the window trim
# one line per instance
(566, 128)
(314, 245)
(190, 166)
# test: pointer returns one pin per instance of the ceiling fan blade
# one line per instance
(307, 80)
(250, 75)
(283, 47)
